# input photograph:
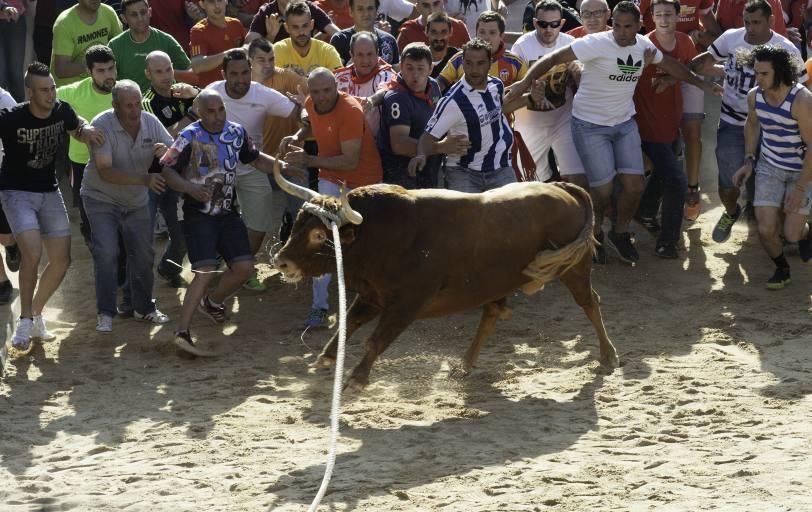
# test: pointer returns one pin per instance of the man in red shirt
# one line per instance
(658, 102)
(211, 38)
(175, 17)
(338, 11)
(414, 31)
(595, 16)
(347, 154)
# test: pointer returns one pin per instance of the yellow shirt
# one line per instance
(321, 54)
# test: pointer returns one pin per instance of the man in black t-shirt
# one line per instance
(31, 134)
(438, 32)
(170, 102)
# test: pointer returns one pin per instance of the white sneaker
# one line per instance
(22, 334)
(39, 330)
(104, 324)
(156, 317)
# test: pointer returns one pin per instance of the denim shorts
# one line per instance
(463, 179)
(773, 185)
(42, 211)
(208, 235)
(729, 153)
(608, 150)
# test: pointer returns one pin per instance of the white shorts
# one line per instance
(254, 194)
(539, 140)
(693, 102)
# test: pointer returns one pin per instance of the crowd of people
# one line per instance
(175, 118)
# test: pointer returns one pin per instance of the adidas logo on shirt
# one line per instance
(629, 70)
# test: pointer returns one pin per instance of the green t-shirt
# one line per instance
(88, 103)
(131, 56)
(72, 36)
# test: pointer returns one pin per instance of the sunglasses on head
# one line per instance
(551, 24)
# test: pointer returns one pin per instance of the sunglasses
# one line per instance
(550, 24)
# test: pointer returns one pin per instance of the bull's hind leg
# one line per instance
(491, 312)
(360, 313)
(579, 281)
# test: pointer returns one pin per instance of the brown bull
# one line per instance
(414, 254)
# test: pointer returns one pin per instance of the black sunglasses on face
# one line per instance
(551, 24)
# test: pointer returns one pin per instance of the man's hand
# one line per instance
(92, 135)
(296, 156)
(795, 199)
(297, 173)
(155, 182)
(194, 11)
(159, 149)
(416, 164)
(662, 83)
(384, 25)
(648, 56)
(184, 91)
(516, 90)
(713, 88)
(9, 14)
(287, 141)
(272, 26)
(741, 176)
(199, 192)
(454, 145)
(299, 97)
(794, 35)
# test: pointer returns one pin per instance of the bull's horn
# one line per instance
(347, 213)
(291, 188)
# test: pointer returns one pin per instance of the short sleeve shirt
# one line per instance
(344, 123)
(690, 12)
(208, 39)
(6, 102)
(168, 110)
(387, 45)
(31, 145)
(340, 14)
(508, 68)
(610, 74)
(133, 156)
(321, 54)
(88, 103)
(320, 20)
(210, 159)
(131, 56)
(730, 14)
(72, 36)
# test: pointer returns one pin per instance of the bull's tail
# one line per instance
(549, 264)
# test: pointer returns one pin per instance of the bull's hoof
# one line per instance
(610, 361)
(323, 362)
(461, 371)
(356, 384)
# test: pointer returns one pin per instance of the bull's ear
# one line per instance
(347, 234)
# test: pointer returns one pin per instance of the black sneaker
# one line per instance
(6, 290)
(622, 244)
(779, 279)
(725, 225)
(183, 340)
(805, 247)
(216, 313)
(650, 223)
(13, 258)
(667, 251)
(599, 257)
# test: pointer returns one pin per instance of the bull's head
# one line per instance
(309, 250)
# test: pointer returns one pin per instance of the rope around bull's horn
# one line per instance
(337, 381)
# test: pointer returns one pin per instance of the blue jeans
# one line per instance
(669, 182)
(12, 54)
(167, 203)
(462, 179)
(106, 222)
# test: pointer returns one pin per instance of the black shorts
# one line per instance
(208, 235)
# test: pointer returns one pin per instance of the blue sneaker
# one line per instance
(317, 318)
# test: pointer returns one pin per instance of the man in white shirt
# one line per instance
(546, 126)
(603, 127)
(248, 104)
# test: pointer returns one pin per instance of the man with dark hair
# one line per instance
(473, 107)
(438, 33)
(248, 104)
(120, 174)
(211, 38)
(406, 109)
(88, 97)
(739, 79)
(132, 46)
(269, 22)
(364, 13)
(603, 127)
(86, 24)
(506, 66)
(414, 31)
(780, 114)
(31, 133)
(301, 52)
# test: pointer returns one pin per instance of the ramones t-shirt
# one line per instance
(31, 145)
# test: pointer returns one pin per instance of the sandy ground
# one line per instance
(710, 410)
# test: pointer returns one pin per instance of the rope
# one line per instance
(337, 381)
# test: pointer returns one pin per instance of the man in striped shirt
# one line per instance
(473, 106)
(780, 109)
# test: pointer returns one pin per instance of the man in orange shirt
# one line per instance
(413, 31)
(347, 154)
(211, 38)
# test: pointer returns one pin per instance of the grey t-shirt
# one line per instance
(131, 156)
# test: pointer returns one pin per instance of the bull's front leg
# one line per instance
(390, 326)
(360, 313)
